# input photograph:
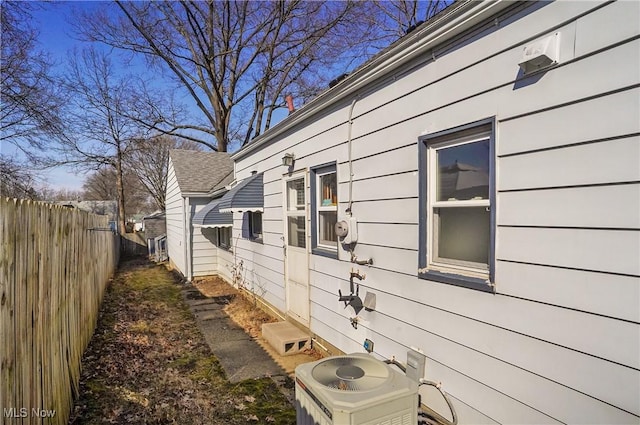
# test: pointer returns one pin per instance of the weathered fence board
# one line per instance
(54, 267)
(133, 245)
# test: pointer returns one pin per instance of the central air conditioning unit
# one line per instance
(355, 389)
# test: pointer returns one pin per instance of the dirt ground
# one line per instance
(147, 362)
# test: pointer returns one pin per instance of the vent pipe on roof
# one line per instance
(289, 99)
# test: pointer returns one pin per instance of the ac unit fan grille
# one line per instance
(351, 373)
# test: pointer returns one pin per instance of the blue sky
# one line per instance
(56, 40)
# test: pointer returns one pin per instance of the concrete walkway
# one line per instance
(239, 354)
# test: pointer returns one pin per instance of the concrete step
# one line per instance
(285, 338)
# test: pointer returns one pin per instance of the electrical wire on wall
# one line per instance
(349, 211)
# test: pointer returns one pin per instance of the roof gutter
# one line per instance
(215, 193)
(460, 17)
(195, 194)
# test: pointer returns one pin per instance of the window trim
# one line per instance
(316, 173)
(466, 278)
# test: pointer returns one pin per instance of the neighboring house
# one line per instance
(154, 224)
(499, 205)
(193, 179)
(135, 221)
(155, 233)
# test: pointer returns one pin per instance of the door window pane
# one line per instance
(463, 234)
(463, 172)
(296, 231)
(326, 228)
(295, 195)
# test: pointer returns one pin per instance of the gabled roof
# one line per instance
(198, 171)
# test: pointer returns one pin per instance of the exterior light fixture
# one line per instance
(288, 159)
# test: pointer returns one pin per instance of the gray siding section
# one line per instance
(559, 342)
(175, 221)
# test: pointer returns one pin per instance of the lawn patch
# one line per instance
(149, 363)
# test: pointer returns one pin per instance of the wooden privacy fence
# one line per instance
(55, 263)
(133, 245)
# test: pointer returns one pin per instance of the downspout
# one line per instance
(185, 241)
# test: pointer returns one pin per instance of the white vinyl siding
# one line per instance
(204, 255)
(204, 251)
(559, 341)
(175, 221)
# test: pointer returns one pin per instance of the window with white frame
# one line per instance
(324, 207)
(457, 199)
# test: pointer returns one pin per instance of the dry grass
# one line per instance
(241, 310)
(148, 363)
(245, 312)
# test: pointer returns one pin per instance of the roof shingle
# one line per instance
(200, 171)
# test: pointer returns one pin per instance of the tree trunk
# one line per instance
(122, 222)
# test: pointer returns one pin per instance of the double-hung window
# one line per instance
(324, 207)
(457, 206)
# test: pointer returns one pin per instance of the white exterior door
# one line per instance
(296, 262)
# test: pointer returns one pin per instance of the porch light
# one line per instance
(288, 159)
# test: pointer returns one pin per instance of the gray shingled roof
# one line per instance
(225, 181)
(200, 171)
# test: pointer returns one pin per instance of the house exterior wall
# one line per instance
(205, 252)
(559, 340)
(175, 222)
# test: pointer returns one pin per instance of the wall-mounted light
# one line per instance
(288, 159)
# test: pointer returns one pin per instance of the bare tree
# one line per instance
(46, 193)
(16, 181)
(101, 186)
(29, 100)
(234, 59)
(101, 121)
(150, 163)
(396, 18)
